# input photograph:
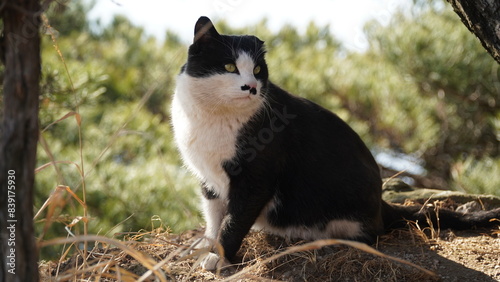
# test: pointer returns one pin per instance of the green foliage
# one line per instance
(120, 83)
(477, 176)
(425, 88)
(455, 80)
(71, 16)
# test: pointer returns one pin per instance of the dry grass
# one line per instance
(162, 256)
(158, 255)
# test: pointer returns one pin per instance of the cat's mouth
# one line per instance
(252, 91)
(243, 98)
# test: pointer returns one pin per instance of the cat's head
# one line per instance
(223, 70)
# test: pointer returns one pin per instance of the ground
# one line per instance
(424, 254)
(471, 255)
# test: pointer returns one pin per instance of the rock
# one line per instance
(395, 190)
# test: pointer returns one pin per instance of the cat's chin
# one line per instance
(250, 103)
(247, 102)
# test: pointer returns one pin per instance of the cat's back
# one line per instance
(315, 124)
(318, 142)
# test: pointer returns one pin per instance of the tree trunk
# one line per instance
(18, 138)
(481, 17)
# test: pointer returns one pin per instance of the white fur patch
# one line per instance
(340, 228)
(214, 210)
(207, 114)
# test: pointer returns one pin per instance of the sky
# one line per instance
(346, 18)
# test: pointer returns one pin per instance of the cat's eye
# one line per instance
(230, 67)
(256, 70)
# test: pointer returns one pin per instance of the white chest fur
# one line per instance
(206, 125)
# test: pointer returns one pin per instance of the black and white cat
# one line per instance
(273, 161)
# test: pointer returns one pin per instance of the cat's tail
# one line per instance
(396, 216)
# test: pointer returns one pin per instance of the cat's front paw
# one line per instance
(212, 261)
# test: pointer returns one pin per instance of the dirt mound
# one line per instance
(411, 254)
(452, 256)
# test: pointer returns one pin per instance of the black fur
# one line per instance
(316, 166)
(302, 156)
(210, 51)
(208, 192)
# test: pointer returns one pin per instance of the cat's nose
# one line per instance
(252, 87)
(249, 86)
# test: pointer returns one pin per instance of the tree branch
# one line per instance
(481, 17)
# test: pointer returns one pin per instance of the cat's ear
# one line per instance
(204, 31)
